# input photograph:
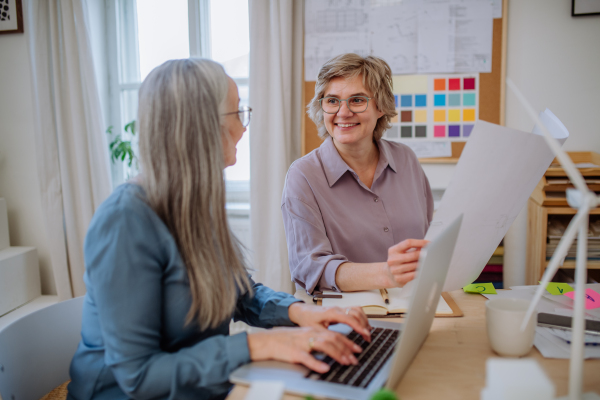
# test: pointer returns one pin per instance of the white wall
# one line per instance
(555, 61)
(18, 169)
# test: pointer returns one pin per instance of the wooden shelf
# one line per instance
(570, 264)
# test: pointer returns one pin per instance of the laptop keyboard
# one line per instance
(370, 361)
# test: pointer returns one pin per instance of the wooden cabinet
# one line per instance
(549, 199)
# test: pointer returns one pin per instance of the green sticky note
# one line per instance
(558, 288)
(487, 288)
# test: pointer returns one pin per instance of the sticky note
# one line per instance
(407, 84)
(420, 131)
(467, 130)
(558, 288)
(406, 116)
(454, 84)
(453, 130)
(468, 114)
(420, 115)
(439, 115)
(487, 288)
(454, 115)
(406, 100)
(420, 100)
(469, 99)
(405, 131)
(394, 119)
(396, 100)
(439, 84)
(469, 84)
(439, 100)
(592, 298)
(454, 99)
(439, 131)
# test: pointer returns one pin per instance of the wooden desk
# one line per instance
(451, 363)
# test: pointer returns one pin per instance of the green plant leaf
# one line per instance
(109, 130)
(130, 127)
(384, 394)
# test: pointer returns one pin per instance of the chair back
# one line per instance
(36, 350)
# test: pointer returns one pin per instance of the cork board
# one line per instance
(491, 95)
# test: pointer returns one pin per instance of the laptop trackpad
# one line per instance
(274, 370)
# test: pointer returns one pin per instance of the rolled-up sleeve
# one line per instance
(313, 264)
(265, 307)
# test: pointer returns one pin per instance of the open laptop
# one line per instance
(393, 346)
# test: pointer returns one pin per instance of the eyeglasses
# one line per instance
(356, 104)
(244, 114)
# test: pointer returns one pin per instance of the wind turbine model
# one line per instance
(583, 200)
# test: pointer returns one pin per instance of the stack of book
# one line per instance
(556, 229)
(492, 272)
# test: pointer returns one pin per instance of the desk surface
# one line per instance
(451, 363)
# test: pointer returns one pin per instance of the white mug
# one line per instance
(504, 318)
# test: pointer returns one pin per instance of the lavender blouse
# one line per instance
(331, 217)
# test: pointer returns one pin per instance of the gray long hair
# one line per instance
(180, 106)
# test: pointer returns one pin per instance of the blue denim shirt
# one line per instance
(134, 339)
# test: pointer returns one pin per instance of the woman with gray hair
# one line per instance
(165, 275)
(356, 209)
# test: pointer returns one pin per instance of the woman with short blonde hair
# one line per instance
(355, 209)
(165, 275)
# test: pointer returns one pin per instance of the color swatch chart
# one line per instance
(435, 106)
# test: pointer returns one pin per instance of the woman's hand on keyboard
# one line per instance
(294, 345)
(321, 317)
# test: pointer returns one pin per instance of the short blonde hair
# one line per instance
(377, 79)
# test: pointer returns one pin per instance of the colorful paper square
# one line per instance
(487, 288)
(439, 131)
(420, 131)
(439, 84)
(558, 288)
(439, 115)
(467, 130)
(420, 100)
(394, 119)
(469, 84)
(406, 100)
(469, 99)
(453, 130)
(454, 115)
(420, 115)
(439, 100)
(396, 100)
(409, 84)
(454, 84)
(454, 99)
(406, 116)
(468, 114)
(592, 298)
(406, 131)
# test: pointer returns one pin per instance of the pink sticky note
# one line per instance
(592, 298)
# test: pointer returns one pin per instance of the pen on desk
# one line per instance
(384, 294)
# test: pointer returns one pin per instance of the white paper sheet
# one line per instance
(332, 28)
(495, 175)
(473, 32)
(429, 149)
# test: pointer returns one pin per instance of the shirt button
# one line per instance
(376, 199)
(386, 229)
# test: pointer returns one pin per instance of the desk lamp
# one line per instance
(583, 200)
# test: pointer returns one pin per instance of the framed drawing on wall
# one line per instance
(585, 7)
(11, 16)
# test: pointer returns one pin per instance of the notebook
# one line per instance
(373, 304)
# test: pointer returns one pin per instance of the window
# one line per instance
(146, 33)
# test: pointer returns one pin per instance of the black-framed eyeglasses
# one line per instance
(244, 114)
(356, 104)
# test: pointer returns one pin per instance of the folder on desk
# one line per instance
(375, 307)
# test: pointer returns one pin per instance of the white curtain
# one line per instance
(276, 29)
(70, 143)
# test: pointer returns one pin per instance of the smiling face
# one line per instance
(232, 128)
(346, 127)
